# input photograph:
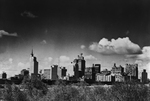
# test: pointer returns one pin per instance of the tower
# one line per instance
(34, 66)
(79, 67)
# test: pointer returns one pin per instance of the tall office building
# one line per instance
(79, 66)
(54, 70)
(88, 73)
(131, 71)
(59, 73)
(64, 71)
(144, 76)
(34, 66)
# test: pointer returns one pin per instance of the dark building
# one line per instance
(76, 71)
(64, 71)
(144, 76)
(24, 72)
(4, 75)
(97, 68)
(131, 71)
(35, 67)
(54, 69)
(79, 66)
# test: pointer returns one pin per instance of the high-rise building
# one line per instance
(88, 73)
(34, 66)
(47, 74)
(79, 66)
(131, 71)
(144, 76)
(59, 72)
(64, 71)
(97, 68)
(54, 70)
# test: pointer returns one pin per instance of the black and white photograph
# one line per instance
(74, 50)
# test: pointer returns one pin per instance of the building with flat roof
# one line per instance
(54, 70)
(144, 78)
(47, 73)
(131, 71)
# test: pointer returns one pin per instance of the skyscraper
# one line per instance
(54, 70)
(34, 67)
(79, 66)
(64, 70)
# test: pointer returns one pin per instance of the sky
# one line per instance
(105, 31)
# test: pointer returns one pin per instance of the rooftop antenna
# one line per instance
(32, 55)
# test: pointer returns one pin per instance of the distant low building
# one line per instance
(104, 78)
(4, 75)
(119, 78)
(47, 74)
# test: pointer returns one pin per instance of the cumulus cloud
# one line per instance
(145, 55)
(115, 46)
(90, 57)
(44, 42)
(64, 58)
(82, 46)
(28, 14)
(2, 32)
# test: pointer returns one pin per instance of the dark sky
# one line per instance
(59, 27)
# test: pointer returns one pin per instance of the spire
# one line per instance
(32, 53)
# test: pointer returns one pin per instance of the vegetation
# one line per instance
(35, 90)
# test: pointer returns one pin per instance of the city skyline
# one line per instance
(106, 32)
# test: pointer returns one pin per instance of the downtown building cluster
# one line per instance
(82, 73)
(116, 74)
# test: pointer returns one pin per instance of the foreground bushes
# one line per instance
(80, 92)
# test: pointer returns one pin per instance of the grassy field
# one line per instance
(77, 92)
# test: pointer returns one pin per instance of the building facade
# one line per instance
(131, 71)
(47, 74)
(104, 78)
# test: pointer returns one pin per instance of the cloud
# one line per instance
(115, 46)
(82, 46)
(44, 42)
(145, 55)
(64, 59)
(28, 14)
(90, 57)
(2, 32)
